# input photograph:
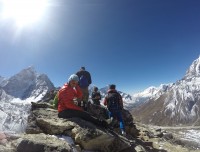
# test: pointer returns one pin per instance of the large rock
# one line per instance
(41, 143)
(102, 113)
(44, 119)
(46, 132)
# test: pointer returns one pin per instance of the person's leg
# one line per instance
(86, 94)
(110, 114)
(83, 115)
(85, 97)
(110, 119)
(67, 114)
(121, 123)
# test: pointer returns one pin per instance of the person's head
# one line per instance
(112, 86)
(73, 80)
(95, 89)
(82, 68)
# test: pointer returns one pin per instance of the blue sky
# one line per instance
(134, 44)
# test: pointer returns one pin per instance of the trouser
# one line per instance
(85, 94)
(85, 98)
(69, 113)
(117, 115)
(96, 102)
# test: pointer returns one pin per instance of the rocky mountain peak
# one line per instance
(27, 83)
(194, 69)
(3, 81)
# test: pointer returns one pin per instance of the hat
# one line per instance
(112, 86)
(82, 68)
(73, 77)
(95, 89)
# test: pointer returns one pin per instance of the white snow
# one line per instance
(191, 135)
(69, 140)
(16, 96)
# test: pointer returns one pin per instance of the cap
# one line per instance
(112, 86)
(95, 89)
(73, 77)
(82, 68)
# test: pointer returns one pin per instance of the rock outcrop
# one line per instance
(46, 132)
(85, 135)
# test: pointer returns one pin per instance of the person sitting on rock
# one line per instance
(67, 108)
(114, 103)
(96, 96)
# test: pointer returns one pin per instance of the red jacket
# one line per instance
(65, 97)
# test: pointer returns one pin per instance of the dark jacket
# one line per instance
(96, 97)
(86, 74)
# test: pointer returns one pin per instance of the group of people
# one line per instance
(74, 95)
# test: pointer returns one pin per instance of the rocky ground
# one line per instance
(48, 133)
(167, 138)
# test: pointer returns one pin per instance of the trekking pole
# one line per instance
(122, 138)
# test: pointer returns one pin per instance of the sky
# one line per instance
(134, 44)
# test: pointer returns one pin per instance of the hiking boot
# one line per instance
(123, 133)
(109, 121)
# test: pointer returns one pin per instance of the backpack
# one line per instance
(83, 82)
(113, 100)
(55, 101)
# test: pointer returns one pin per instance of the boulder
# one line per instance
(87, 135)
(41, 143)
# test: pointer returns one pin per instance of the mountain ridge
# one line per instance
(16, 95)
(27, 83)
(179, 105)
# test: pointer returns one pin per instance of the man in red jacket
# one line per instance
(67, 108)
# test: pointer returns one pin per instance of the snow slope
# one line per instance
(16, 94)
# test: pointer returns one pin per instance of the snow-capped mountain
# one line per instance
(178, 105)
(16, 93)
(149, 93)
(3, 81)
(27, 84)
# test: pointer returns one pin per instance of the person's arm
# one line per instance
(78, 74)
(79, 93)
(89, 78)
(105, 102)
(93, 95)
(99, 96)
(121, 101)
(55, 101)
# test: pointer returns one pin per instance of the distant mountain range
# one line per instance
(169, 104)
(177, 104)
